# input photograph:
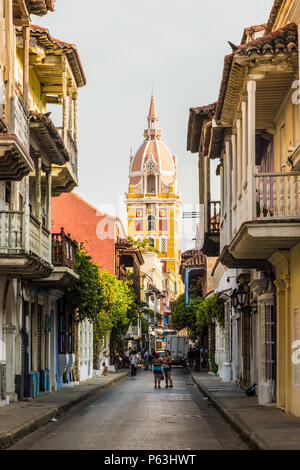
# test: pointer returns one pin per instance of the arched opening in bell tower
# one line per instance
(150, 184)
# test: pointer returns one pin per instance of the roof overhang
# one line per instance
(15, 161)
(275, 58)
(197, 118)
(43, 129)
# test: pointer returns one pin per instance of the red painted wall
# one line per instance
(80, 220)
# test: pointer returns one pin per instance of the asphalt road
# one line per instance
(133, 415)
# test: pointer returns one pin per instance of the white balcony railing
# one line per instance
(272, 196)
(277, 195)
(39, 240)
(13, 237)
(11, 232)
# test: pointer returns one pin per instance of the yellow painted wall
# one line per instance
(37, 99)
(284, 118)
(173, 209)
(295, 304)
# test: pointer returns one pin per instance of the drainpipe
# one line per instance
(186, 282)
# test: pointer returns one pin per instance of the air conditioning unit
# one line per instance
(2, 381)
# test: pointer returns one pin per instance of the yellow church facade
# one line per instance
(153, 201)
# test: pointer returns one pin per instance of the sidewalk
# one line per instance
(262, 427)
(21, 418)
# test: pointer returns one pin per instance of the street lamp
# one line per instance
(242, 295)
(239, 299)
(234, 299)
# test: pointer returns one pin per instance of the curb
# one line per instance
(11, 438)
(249, 436)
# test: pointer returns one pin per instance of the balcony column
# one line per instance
(26, 38)
(234, 180)
(71, 109)
(234, 170)
(64, 100)
(222, 190)
(48, 197)
(239, 158)
(251, 87)
(38, 195)
(10, 343)
(228, 196)
(26, 214)
(38, 191)
(9, 65)
(205, 191)
(244, 144)
(75, 102)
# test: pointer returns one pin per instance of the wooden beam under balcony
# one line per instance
(52, 89)
(15, 161)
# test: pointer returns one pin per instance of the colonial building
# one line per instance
(103, 236)
(153, 202)
(35, 70)
(253, 130)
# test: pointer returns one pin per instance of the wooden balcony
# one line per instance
(15, 160)
(274, 225)
(211, 244)
(63, 259)
(65, 178)
(63, 250)
(24, 246)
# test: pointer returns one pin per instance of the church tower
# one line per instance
(153, 203)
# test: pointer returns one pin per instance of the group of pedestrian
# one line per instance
(198, 358)
(151, 360)
(162, 369)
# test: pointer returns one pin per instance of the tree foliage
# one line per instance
(198, 313)
(143, 245)
(102, 298)
(85, 295)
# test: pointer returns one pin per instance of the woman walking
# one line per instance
(116, 360)
(157, 370)
(168, 369)
(133, 362)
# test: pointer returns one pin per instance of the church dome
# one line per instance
(153, 157)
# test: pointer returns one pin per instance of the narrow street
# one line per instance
(135, 416)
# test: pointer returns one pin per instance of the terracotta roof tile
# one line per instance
(252, 30)
(197, 118)
(40, 7)
(47, 122)
(273, 15)
(46, 40)
(284, 40)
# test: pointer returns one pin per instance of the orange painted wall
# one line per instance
(80, 219)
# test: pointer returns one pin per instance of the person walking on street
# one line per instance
(146, 360)
(157, 370)
(133, 362)
(127, 354)
(116, 360)
(104, 363)
(191, 357)
(168, 369)
(197, 359)
(150, 360)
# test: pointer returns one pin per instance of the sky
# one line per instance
(126, 48)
